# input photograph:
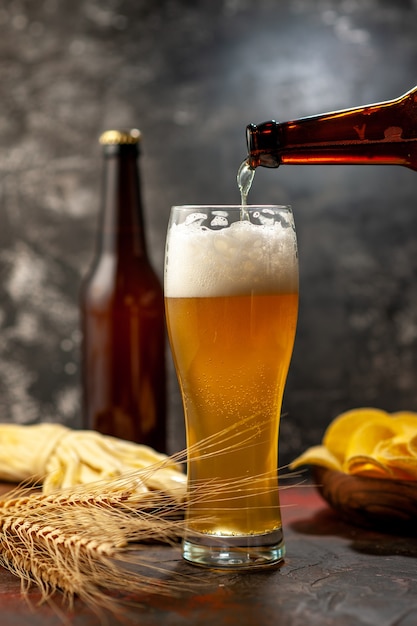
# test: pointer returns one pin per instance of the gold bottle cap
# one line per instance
(118, 137)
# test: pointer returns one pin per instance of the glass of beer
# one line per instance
(231, 299)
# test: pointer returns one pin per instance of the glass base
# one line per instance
(234, 553)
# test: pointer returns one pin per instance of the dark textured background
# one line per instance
(191, 75)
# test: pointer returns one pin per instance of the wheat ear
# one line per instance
(78, 543)
(93, 540)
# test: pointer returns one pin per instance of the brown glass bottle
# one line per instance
(383, 133)
(122, 311)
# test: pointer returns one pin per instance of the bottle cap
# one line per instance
(120, 137)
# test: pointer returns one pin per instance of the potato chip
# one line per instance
(368, 442)
(396, 455)
(412, 445)
(366, 466)
(393, 447)
(367, 436)
(338, 433)
(408, 421)
(317, 455)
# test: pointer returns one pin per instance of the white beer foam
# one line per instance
(242, 259)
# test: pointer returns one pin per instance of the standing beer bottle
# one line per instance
(122, 311)
(384, 133)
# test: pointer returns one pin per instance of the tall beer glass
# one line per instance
(231, 297)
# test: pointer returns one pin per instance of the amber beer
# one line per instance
(231, 304)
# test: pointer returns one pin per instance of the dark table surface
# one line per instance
(334, 573)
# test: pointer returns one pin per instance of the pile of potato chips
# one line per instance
(368, 442)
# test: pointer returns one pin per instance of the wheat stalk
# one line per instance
(78, 543)
(93, 540)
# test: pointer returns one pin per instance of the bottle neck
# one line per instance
(122, 224)
(384, 133)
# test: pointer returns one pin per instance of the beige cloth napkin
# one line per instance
(61, 458)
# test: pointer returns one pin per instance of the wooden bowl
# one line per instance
(377, 503)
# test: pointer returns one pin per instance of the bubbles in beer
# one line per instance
(195, 219)
(219, 220)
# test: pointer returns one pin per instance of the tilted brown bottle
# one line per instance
(383, 133)
(122, 311)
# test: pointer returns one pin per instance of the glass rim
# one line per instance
(228, 207)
